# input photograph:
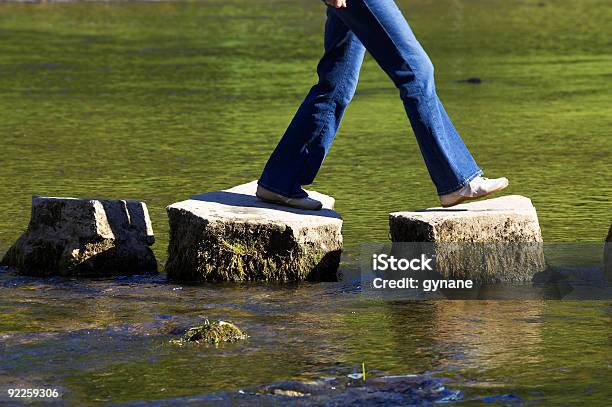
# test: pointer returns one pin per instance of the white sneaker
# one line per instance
(477, 188)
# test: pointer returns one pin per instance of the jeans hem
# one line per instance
(461, 184)
(283, 193)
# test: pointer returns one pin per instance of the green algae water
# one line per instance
(162, 101)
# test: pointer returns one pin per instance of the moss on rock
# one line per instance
(212, 333)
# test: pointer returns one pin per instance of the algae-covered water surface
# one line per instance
(162, 101)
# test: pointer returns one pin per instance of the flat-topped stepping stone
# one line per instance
(231, 235)
(510, 218)
(489, 240)
(84, 237)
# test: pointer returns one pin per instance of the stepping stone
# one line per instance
(490, 240)
(84, 237)
(231, 235)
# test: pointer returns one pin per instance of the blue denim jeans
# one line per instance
(379, 27)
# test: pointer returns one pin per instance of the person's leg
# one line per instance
(384, 31)
(300, 153)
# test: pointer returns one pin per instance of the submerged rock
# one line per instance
(491, 240)
(405, 390)
(231, 235)
(475, 80)
(401, 390)
(69, 236)
(212, 333)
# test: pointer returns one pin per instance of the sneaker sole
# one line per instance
(285, 204)
(467, 198)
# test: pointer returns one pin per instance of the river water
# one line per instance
(161, 101)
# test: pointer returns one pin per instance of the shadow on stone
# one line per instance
(236, 199)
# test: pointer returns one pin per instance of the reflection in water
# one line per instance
(490, 334)
(91, 337)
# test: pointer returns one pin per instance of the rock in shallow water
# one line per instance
(212, 333)
(230, 235)
(490, 240)
(401, 390)
(405, 390)
(89, 237)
